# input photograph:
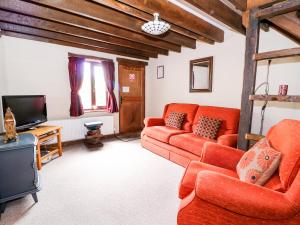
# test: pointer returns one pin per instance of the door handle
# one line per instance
(121, 99)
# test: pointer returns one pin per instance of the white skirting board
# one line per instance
(73, 129)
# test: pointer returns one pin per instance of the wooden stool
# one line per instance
(93, 135)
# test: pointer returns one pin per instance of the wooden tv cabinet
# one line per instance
(44, 134)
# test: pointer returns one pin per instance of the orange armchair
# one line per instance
(227, 157)
(228, 140)
(212, 193)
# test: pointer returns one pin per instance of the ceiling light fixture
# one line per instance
(156, 27)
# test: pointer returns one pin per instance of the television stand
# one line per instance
(44, 134)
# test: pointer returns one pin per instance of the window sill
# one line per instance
(94, 110)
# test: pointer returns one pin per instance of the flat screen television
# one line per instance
(29, 110)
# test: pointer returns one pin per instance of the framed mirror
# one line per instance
(201, 72)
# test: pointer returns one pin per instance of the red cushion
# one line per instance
(284, 137)
(188, 181)
(188, 109)
(189, 142)
(162, 133)
(229, 116)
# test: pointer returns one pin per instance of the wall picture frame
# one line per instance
(201, 74)
(160, 72)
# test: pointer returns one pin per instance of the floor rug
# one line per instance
(119, 184)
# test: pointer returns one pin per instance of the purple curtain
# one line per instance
(76, 67)
(109, 74)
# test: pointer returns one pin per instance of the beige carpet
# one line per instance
(121, 184)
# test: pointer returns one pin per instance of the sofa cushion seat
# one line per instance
(162, 133)
(188, 181)
(189, 142)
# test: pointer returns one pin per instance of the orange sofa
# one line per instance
(182, 146)
(212, 194)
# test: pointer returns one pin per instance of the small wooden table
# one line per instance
(43, 134)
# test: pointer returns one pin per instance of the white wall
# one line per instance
(2, 80)
(227, 77)
(32, 67)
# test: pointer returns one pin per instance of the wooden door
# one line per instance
(131, 95)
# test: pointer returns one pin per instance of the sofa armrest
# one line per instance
(221, 155)
(151, 121)
(228, 140)
(241, 197)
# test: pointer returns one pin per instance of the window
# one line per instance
(93, 90)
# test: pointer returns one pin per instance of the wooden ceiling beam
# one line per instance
(70, 38)
(221, 12)
(70, 44)
(288, 22)
(113, 17)
(68, 29)
(278, 9)
(148, 17)
(261, 3)
(239, 4)
(291, 36)
(19, 6)
(288, 25)
(142, 15)
(175, 14)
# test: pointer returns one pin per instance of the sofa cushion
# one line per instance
(162, 133)
(208, 127)
(284, 137)
(229, 116)
(274, 183)
(188, 180)
(159, 145)
(175, 120)
(189, 109)
(259, 163)
(189, 142)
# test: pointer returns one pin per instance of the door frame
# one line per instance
(137, 63)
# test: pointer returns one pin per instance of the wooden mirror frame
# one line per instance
(210, 73)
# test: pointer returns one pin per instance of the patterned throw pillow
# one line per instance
(208, 127)
(175, 120)
(259, 163)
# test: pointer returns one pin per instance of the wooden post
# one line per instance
(252, 42)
